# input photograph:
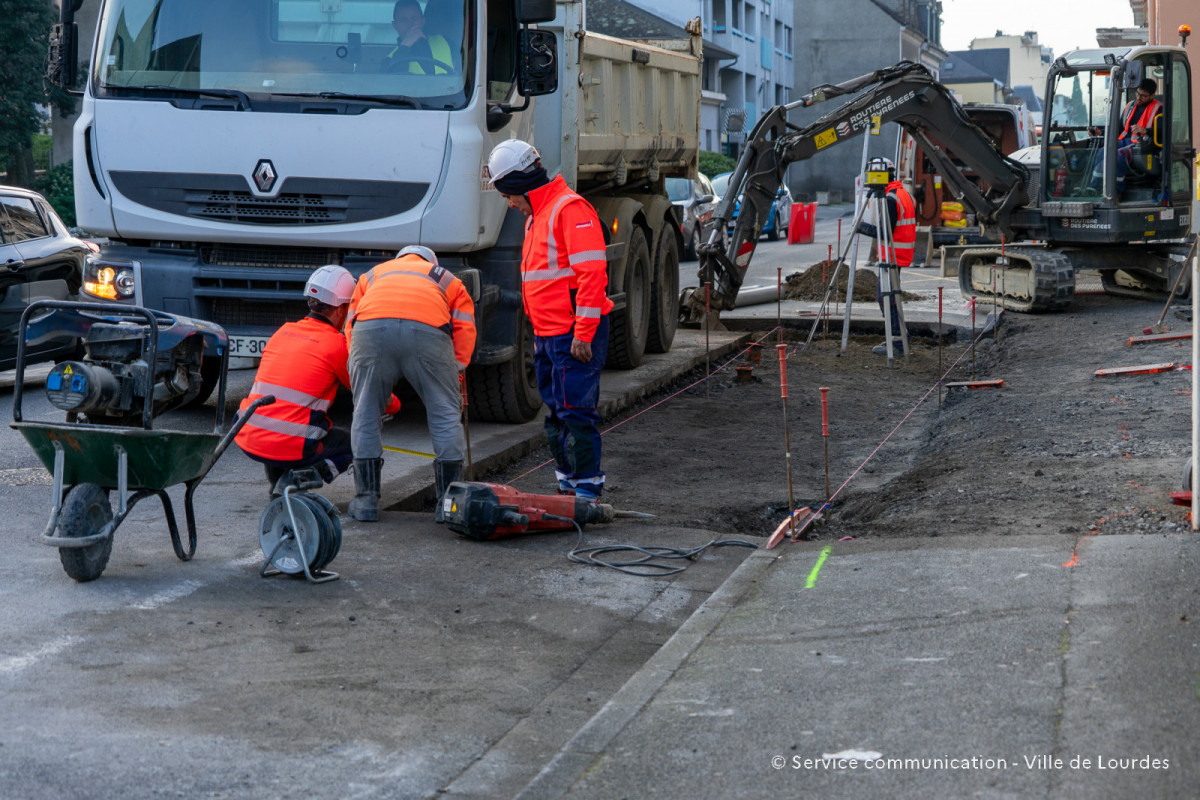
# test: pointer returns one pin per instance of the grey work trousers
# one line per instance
(383, 350)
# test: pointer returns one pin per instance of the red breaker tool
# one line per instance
(494, 511)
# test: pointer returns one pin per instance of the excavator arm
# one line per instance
(906, 94)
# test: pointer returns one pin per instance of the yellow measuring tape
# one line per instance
(409, 452)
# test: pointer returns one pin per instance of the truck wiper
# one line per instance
(386, 99)
(232, 94)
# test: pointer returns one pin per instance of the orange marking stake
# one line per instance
(1158, 337)
(994, 383)
(1144, 369)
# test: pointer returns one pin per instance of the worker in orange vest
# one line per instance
(902, 222)
(564, 277)
(409, 318)
(302, 366)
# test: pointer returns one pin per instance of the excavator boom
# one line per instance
(906, 94)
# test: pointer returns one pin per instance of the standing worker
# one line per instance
(902, 223)
(564, 275)
(411, 318)
(302, 366)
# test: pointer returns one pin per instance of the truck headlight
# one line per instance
(109, 279)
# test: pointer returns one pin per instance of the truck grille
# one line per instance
(300, 201)
(234, 312)
(226, 255)
(286, 209)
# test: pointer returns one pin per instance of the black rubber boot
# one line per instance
(365, 505)
(273, 476)
(444, 474)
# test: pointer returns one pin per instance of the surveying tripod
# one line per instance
(875, 199)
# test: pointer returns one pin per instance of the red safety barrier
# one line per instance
(802, 227)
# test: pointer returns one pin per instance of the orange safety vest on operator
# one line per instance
(410, 287)
(302, 365)
(1146, 120)
(564, 252)
(904, 235)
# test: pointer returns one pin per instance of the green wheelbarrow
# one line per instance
(133, 357)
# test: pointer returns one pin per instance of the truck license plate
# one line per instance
(247, 346)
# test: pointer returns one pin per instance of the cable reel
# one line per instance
(300, 533)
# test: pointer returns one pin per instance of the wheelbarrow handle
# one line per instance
(241, 419)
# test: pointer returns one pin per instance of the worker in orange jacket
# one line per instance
(564, 278)
(409, 318)
(302, 366)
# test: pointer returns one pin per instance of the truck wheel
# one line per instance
(506, 392)
(630, 327)
(85, 511)
(664, 294)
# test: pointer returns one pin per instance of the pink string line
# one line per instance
(672, 396)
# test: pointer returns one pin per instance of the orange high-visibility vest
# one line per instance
(564, 252)
(302, 365)
(904, 235)
(410, 287)
(1145, 119)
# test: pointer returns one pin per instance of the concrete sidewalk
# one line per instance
(1015, 676)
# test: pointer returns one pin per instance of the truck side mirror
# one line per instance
(537, 72)
(62, 58)
(533, 11)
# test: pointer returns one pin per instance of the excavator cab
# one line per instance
(1095, 168)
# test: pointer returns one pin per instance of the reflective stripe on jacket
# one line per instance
(1145, 119)
(410, 287)
(904, 235)
(564, 252)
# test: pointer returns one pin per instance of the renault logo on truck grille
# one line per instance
(265, 175)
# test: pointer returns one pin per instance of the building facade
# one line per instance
(1028, 61)
(838, 41)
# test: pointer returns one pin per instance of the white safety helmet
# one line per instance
(512, 155)
(331, 284)
(419, 250)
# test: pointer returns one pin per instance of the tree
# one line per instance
(23, 37)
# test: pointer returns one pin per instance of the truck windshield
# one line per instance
(1079, 107)
(395, 53)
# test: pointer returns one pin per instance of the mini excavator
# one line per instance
(1045, 212)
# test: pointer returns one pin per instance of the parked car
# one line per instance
(781, 208)
(39, 260)
(695, 201)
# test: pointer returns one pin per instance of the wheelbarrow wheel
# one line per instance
(85, 511)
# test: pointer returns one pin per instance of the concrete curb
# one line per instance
(573, 759)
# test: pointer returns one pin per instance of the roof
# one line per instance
(957, 69)
(992, 60)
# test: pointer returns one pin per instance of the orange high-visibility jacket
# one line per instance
(1145, 119)
(564, 252)
(904, 235)
(302, 365)
(410, 287)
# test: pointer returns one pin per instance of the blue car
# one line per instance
(781, 209)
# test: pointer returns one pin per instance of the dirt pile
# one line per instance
(810, 285)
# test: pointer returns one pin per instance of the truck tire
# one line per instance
(630, 327)
(664, 294)
(85, 511)
(506, 392)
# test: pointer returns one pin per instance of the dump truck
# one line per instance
(227, 148)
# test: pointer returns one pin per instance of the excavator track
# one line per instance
(1018, 278)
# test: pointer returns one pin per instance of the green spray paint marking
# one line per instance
(812, 576)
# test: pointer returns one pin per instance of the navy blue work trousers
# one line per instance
(571, 391)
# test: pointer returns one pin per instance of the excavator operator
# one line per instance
(902, 222)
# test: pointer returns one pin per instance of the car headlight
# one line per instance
(109, 279)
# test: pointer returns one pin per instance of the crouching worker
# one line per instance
(302, 366)
(409, 318)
